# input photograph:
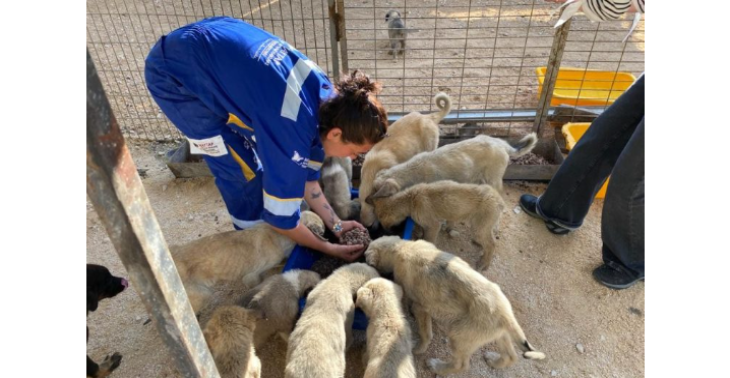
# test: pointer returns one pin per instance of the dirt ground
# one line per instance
(585, 329)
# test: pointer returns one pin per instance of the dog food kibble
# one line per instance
(356, 236)
(325, 265)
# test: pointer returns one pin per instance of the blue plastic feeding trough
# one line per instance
(304, 258)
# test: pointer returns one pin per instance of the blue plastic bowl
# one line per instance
(304, 258)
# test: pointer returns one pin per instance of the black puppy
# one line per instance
(101, 284)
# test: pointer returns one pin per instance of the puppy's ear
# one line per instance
(370, 200)
(371, 256)
(388, 188)
(211, 334)
(255, 308)
(362, 296)
(92, 302)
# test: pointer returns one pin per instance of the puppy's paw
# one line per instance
(495, 360)
(421, 348)
(436, 365)
(483, 264)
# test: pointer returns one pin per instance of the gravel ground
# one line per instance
(585, 329)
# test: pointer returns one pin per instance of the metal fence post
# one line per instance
(334, 30)
(115, 189)
(342, 35)
(551, 76)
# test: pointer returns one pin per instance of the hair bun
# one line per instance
(357, 86)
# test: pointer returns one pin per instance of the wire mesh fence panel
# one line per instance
(120, 33)
(597, 67)
(485, 54)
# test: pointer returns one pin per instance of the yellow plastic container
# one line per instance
(572, 133)
(581, 87)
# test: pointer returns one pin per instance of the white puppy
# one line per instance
(319, 341)
(406, 137)
(277, 301)
(229, 335)
(468, 308)
(479, 160)
(233, 256)
(389, 349)
(428, 204)
(336, 182)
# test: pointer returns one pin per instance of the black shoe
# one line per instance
(616, 276)
(528, 203)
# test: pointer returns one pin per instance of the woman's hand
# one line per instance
(348, 253)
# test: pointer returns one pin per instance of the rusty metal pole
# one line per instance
(334, 31)
(342, 35)
(551, 75)
(115, 189)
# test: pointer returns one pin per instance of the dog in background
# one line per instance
(397, 32)
(389, 346)
(428, 204)
(233, 256)
(277, 300)
(336, 182)
(101, 284)
(406, 137)
(470, 310)
(479, 160)
(229, 335)
(324, 331)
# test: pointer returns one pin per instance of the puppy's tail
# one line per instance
(443, 102)
(529, 352)
(523, 147)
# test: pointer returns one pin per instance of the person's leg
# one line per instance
(229, 156)
(239, 180)
(570, 193)
(622, 225)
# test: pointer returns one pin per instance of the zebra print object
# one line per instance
(601, 10)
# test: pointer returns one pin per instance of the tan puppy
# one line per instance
(239, 256)
(319, 341)
(229, 335)
(468, 308)
(336, 182)
(408, 136)
(428, 204)
(479, 160)
(389, 349)
(277, 300)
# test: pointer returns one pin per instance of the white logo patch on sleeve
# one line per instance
(210, 146)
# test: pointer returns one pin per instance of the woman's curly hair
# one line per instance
(359, 115)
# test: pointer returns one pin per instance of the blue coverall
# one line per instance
(249, 102)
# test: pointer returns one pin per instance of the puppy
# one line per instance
(408, 136)
(479, 160)
(324, 331)
(240, 256)
(101, 284)
(277, 300)
(229, 334)
(336, 179)
(468, 308)
(389, 349)
(397, 32)
(429, 204)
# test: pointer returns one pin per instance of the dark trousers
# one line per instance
(613, 145)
